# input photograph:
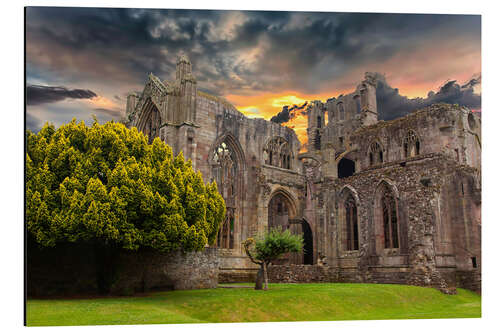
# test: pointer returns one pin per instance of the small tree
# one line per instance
(269, 247)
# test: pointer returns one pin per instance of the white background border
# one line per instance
(12, 135)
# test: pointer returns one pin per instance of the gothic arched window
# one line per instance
(390, 220)
(225, 172)
(358, 104)
(411, 144)
(375, 153)
(149, 121)
(364, 97)
(317, 140)
(351, 224)
(341, 111)
(278, 153)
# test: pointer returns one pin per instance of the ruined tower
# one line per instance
(187, 87)
(315, 125)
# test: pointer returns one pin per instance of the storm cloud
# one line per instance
(36, 94)
(391, 104)
(288, 113)
(232, 51)
(242, 53)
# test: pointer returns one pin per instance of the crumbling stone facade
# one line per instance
(377, 201)
(73, 269)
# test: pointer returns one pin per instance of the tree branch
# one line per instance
(246, 244)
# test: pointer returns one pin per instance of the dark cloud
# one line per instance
(288, 113)
(391, 104)
(36, 94)
(291, 50)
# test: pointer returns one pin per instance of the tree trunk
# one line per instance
(260, 278)
(264, 266)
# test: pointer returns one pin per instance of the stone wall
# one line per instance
(302, 274)
(71, 269)
(469, 280)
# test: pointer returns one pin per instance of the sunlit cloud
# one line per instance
(259, 61)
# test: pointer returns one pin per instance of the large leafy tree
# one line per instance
(105, 185)
(268, 247)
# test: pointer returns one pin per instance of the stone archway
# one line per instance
(149, 120)
(280, 210)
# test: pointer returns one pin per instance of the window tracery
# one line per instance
(390, 220)
(351, 224)
(278, 153)
(225, 172)
(375, 153)
(411, 144)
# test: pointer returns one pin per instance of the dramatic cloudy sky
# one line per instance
(83, 61)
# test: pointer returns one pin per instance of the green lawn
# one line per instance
(283, 302)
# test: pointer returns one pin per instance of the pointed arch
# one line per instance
(411, 144)
(149, 120)
(227, 162)
(375, 153)
(387, 218)
(349, 218)
(277, 152)
(234, 144)
(291, 201)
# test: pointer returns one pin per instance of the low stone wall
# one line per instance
(389, 275)
(302, 274)
(72, 269)
(237, 275)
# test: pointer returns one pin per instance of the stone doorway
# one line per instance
(308, 255)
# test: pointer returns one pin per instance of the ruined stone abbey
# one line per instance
(377, 201)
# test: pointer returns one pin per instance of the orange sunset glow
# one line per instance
(267, 105)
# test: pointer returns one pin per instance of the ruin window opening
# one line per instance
(390, 220)
(351, 218)
(346, 168)
(278, 153)
(150, 122)
(319, 121)
(474, 262)
(317, 141)
(358, 104)
(411, 144)
(375, 153)
(190, 148)
(363, 97)
(341, 111)
(279, 208)
(225, 171)
(308, 244)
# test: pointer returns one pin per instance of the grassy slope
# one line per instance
(283, 302)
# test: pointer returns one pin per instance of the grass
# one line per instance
(283, 302)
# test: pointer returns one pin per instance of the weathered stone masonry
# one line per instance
(376, 201)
